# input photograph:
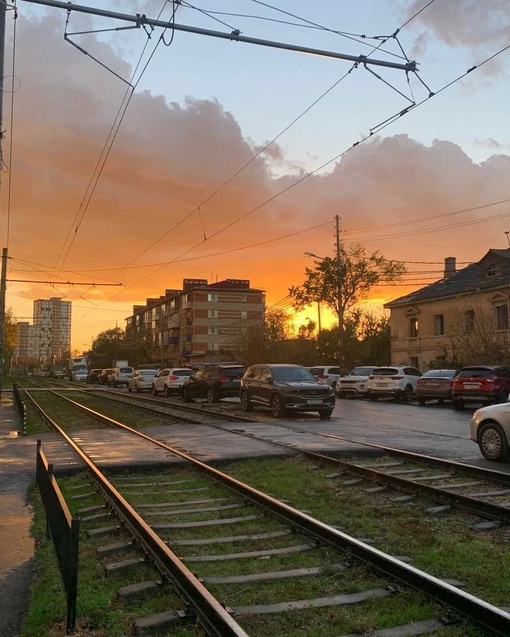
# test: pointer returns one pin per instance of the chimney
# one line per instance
(449, 267)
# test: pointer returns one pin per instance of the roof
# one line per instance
(490, 273)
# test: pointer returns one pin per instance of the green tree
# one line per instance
(343, 285)
(10, 336)
(107, 347)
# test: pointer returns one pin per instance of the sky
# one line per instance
(148, 156)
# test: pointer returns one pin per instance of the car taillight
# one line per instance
(396, 377)
(225, 379)
(371, 377)
(173, 377)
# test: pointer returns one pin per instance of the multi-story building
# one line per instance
(49, 338)
(462, 317)
(198, 323)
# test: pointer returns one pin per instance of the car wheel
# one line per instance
(137, 389)
(503, 397)
(277, 407)
(373, 397)
(458, 404)
(440, 401)
(492, 441)
(245, 402)
(129, 389)
(325, 414)
(340, 395)
(186, 396)
(211, 395)
(407, 393)
(154, 391)
(421, 401)
(167, 391)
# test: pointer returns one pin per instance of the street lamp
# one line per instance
(339, 306)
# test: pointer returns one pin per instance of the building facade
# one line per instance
(198, 323)
(49, 338)
(461, 319)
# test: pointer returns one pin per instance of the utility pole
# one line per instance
(3, 280)
(341, 343)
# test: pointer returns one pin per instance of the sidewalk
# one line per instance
(17, 471)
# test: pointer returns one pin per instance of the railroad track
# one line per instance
(204, 499)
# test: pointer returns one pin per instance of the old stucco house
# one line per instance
(461, 319)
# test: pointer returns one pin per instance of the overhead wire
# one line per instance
(110, 140)
(259, 152)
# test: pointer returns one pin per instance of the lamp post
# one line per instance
(339, 306)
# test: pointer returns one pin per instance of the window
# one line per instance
(212, 329)
(413, 327)
(212, 313)
(492, 270)
(212, 298)
(501, 312)
(438, 324)
(468, 321)
(244, 315)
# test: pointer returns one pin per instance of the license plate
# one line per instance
(471, 385)
(381, 384)
(314, 402)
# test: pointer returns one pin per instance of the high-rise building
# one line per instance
(53, 318)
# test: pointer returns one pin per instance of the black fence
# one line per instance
(63, 529)
(22, 409)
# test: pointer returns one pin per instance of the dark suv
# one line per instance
(485, 384)
(285, 388)
(213, 382)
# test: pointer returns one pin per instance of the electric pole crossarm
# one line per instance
(140, 20)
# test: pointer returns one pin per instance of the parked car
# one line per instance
(355, 383)
(397, 382)
(436, 384)
(119, 376)
(486, 384)
(490, 429)
(285, 388)
(326, 373)
(94, 376)
(170, 380)
(79, 374)
(141, 380)
(213, 382)
(105, 375)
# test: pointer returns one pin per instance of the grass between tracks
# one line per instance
(444, 546)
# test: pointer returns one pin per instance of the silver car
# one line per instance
(490, 429)
(141, 380)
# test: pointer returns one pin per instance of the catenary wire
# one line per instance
(110, 140)
(259, 152)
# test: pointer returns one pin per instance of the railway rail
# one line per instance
(290, 522)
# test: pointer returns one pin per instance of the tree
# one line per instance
(107, 347)
(343, 285)
(10, 336)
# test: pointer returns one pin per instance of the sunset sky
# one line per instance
(181, 184)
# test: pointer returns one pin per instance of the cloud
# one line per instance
(154, 194)
(465, 22)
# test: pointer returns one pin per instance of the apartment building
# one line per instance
(463, 317)
(197, 323)
(49, 338)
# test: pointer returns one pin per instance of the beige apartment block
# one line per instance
(198, 323)
(461, 319)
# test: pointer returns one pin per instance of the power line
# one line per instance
(110, 140)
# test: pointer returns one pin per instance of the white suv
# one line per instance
(328, 374)
(170, 380)
(355, 383)
(120, 376)
(397, 382)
